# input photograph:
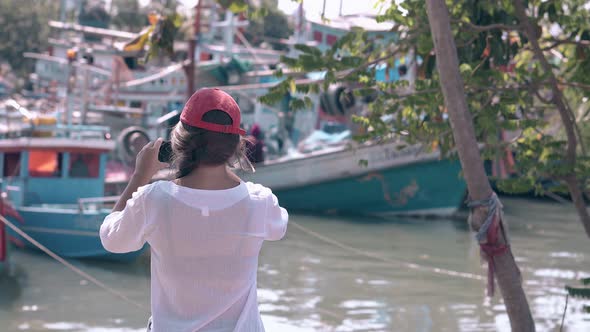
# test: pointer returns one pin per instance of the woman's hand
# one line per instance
(147, 163)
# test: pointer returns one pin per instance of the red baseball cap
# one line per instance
(207, 99)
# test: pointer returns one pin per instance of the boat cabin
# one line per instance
(42, 170)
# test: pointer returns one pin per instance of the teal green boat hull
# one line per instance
(425, 188)
(4, 264)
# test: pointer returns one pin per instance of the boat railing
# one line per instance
(73, 131)
(12, 188)
(82, 202)
(74, 128)
(165, 118)
(23, 122)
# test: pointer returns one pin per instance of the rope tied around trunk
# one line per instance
(488, 236)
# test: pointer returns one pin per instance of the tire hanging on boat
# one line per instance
(129, 142)
(337, 100)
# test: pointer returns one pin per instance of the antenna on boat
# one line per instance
(71, 55)
(299, 36)
(62, 10)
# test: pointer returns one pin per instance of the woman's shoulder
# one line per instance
(151, 188)
(258, 191)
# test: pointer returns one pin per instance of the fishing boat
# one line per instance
(347, 178)
(4, 247)
(396, 184)
(53, 175)
(380, 179)
(373, 178)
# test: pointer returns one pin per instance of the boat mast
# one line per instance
(299, 36)
(193, 43)
(71, 56)
(228, 34)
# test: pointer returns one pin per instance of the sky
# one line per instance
(314, 7)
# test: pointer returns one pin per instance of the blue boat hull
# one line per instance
(4, 248)
(424, 188)
(4, 265)
(68, 233)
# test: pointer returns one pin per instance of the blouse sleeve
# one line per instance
(276, 219)
(126, 231)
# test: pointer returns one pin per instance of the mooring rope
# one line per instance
(72, 267)
(567, 297)
(494, 209)
(488, 235)
(394, 261)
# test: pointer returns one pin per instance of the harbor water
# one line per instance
(307, 284)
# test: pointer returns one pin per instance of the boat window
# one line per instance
(131, 62)
(331, 39)
(84, 165)
(45, 164)
(317, 36)
(11, 164)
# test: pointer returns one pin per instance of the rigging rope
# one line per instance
(72, 267)
(394, 261)
(567, 297)
(304, 229)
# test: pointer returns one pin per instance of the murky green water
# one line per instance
(309, 285)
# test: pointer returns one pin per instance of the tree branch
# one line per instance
(468, 42)
(569, 41)
(535, 90)
(347, 73)
(577, 129)
(568, 122)
(482, 28)
(575, 85)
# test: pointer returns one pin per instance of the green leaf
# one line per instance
(578, 292)
(465, 68)
(308, 49)
(308, 102)
(279, 73)
(177, 20)
(296, 104)
(258, 13)
(235, 6)
(516, 186)
(292, 86)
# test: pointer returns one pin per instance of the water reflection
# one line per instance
(308, 285)
(10, 287)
